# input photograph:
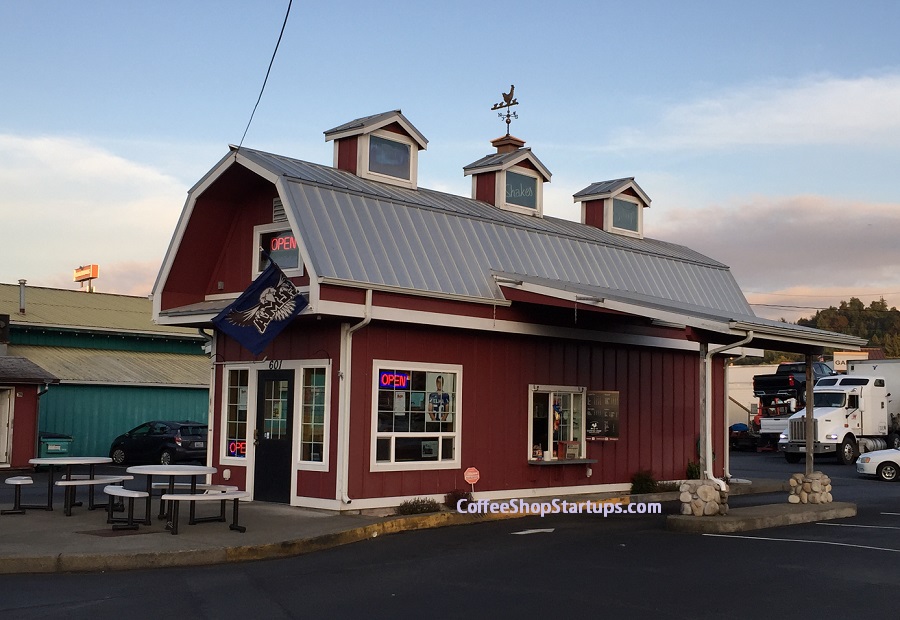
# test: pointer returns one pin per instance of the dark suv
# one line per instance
(160, 442)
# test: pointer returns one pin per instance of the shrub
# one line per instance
(452, 498)
(693, 470)
(417, 506)
(643, 482)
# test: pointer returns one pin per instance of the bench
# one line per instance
(18, 481)
(77, 481)
(186, 486)
(177, 498)
(123, 523)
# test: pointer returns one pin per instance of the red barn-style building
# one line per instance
(445, 332)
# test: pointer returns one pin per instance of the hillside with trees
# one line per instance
(877, 323)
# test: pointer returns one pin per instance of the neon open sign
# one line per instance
(237, 448)
(390, 379)
(283, 242)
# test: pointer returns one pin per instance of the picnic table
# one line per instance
(172, 472)
(53, 462)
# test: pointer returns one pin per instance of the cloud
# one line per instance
(811, 111)
(795, 251)
(67, 202)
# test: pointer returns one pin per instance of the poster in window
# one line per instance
(440, 401)
(399, 403)
(602, 415)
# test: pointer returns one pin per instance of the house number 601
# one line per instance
(274, 364)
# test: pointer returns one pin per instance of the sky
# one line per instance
(767, 134)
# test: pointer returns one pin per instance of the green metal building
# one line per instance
(116, 368)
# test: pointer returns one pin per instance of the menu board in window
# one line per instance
(602, 415)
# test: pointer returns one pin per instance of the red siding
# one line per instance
(24, 425)
(486, 187)
(593, 213)
(347, 153)
(659, 401)
(226, 212)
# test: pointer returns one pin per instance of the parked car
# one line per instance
(162, 442)
(882, 463)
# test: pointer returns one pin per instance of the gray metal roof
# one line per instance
(444, 244)
(604, 187)
(500, 161)
(73, 365)
(375, 121)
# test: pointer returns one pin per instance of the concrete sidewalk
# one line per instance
(43, 541)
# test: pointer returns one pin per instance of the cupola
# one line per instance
(511, 179)
(615, 206)
(383, 147)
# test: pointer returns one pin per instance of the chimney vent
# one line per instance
(22, 296)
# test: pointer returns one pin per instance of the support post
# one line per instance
(810, 439)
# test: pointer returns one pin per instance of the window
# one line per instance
(416, 416)
(389, 157)
(521, 190)
(236, 387)
(556, 428)
(312, 415)
(279, 241)
(626, 215)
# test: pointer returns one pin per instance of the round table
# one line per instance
(172, 471)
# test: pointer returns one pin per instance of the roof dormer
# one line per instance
(614, 206)
(511, 179)
(384, 147)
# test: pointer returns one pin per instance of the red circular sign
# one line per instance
(471, 475)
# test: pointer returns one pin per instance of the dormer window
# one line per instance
(390, 156)
(521, 190)
(626, 214)
(614, 206)
(511, 179)
(384, 147)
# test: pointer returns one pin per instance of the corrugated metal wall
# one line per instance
(95, 414)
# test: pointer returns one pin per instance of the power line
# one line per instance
(823, 296)
(267, 75)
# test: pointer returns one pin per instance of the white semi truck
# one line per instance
(853, 413)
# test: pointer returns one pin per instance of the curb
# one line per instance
(95, 562)
(760, 517)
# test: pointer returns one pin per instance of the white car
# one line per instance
(882, 463)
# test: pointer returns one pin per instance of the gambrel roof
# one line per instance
(368, 234)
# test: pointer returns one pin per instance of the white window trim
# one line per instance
(260, 230)
(378, 466)
(223, 421)
(500, 192)
(298, 413)
(608, 216)
(362, 159)
(544, 389)
(252, 382)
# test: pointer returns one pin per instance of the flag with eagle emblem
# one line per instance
(262, 311)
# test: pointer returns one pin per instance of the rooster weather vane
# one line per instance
(509, 100)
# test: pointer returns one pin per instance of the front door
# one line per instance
(274, 436)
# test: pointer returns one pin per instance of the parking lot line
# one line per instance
(800, 540)
(874, 527)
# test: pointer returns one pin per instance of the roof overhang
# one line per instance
(707, 326)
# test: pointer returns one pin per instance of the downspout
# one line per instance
(727, 435)
(344, 409)
(707, 430)
(210, 349)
